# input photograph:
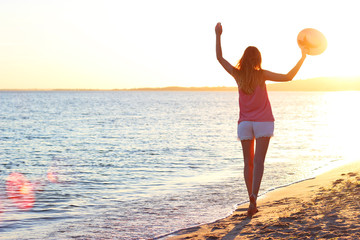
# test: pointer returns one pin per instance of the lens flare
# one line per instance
(25, 189)
(52, 177)
(20, 191)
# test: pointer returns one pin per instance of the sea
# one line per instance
(143, 164)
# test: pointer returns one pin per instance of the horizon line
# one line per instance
(178, 88)
(117, 89)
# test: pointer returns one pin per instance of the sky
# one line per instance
(85, 44)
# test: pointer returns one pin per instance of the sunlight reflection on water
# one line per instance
(343, 118)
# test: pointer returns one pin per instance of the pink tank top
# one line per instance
(256, 106)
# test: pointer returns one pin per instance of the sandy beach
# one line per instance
(324, 207)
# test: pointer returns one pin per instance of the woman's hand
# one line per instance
(304, 51)
(218, 29)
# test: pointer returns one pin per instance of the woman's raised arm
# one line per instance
(226, 65)
(277, 77)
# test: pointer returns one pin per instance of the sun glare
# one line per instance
(59, 44)
(343, 119)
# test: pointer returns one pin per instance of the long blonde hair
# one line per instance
(248, 76)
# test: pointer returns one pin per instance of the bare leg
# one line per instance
(262, 145)
(248, 152)
(259, 159)
(254, 168)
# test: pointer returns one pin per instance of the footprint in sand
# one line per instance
(338, 181)
(352, 174)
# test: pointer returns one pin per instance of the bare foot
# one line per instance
(252, 207)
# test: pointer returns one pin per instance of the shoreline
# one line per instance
(284, 212)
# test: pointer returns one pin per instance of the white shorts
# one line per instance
(248, 130)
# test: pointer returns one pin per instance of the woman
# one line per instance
(256, 121)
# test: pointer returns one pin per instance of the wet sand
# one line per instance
(324, 207)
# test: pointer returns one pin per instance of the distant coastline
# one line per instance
(174, 88)
(314, 84)
(164, 89)
(171, 88)
(322, 84)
